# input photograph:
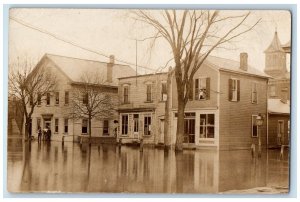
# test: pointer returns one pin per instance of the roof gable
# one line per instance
(231, 65)
(74, 68)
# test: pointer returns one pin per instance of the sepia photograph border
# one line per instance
(293, 151)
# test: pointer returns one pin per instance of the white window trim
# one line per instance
(234, 99)
(252, 87)
(207, 138)
(122, 125)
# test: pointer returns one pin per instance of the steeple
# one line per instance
(275, 58)
(275, 45)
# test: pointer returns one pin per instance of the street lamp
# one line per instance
(259, 123)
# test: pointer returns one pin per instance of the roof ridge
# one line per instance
(76, 58)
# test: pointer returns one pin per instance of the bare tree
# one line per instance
(29, 85)
(92, 98)
(192, 35)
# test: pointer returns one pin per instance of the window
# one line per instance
(207, 125)
(272, 90)
(147, 125)
(105, 127)
(84, 127)
(254, 93)
(149, 89)
(57, 98)
(66, 98)
(164, 91)
(254, 126)
(136, 123)
(39, 99)
(125, 94)
(66, 125)
(56, 125)
(234, 90)
(48, 99)
(85, 98)
(202, 89)
(124, 124)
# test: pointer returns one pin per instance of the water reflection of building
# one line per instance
(74, 168)
(277, 64)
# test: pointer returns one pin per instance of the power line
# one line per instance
(73, 43)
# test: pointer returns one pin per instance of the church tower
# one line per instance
(275, 59)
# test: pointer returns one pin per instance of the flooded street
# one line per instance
(69, 167)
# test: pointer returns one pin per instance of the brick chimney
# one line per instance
(109, 71)
(244, 61)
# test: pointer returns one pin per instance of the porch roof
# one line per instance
(276, 106)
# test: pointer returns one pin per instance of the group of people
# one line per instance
(44, 134)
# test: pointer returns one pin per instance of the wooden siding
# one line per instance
(62, 111)
(203, 72)
(273, 129)
(138, 104)
(236, 117)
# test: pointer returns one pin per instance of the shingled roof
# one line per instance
(75, 67)
(275, 45)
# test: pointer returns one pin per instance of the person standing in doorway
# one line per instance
(49, 134)
(39, 134)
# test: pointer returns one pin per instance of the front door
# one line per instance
(47, 123)
(136, 126)
(189, 131)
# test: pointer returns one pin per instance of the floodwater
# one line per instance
(69, 167)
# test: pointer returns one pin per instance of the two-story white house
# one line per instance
(53, 110)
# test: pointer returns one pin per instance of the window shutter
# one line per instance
(207, 88)
(191, 86)
(196, 89)
(128, 93)
(152, 92)
(238, 90)
(230, 89)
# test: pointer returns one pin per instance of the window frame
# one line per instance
(56, 98)
(124, 126)
(254, 94)
(85, 98)
(67, 94)
(126, 96)
(56, 125)
(66, 125)
(147, 124)
(48, 99)
(234, 89)
(105, 128)
(148, 92)
(206, 125)
(199, 87)
(163, 91)
(83, 126)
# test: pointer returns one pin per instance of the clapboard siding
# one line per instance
(273, 129)
(204, 72)
(138, 102)
(236, 117)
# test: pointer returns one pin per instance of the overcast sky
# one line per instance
(112, 32)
